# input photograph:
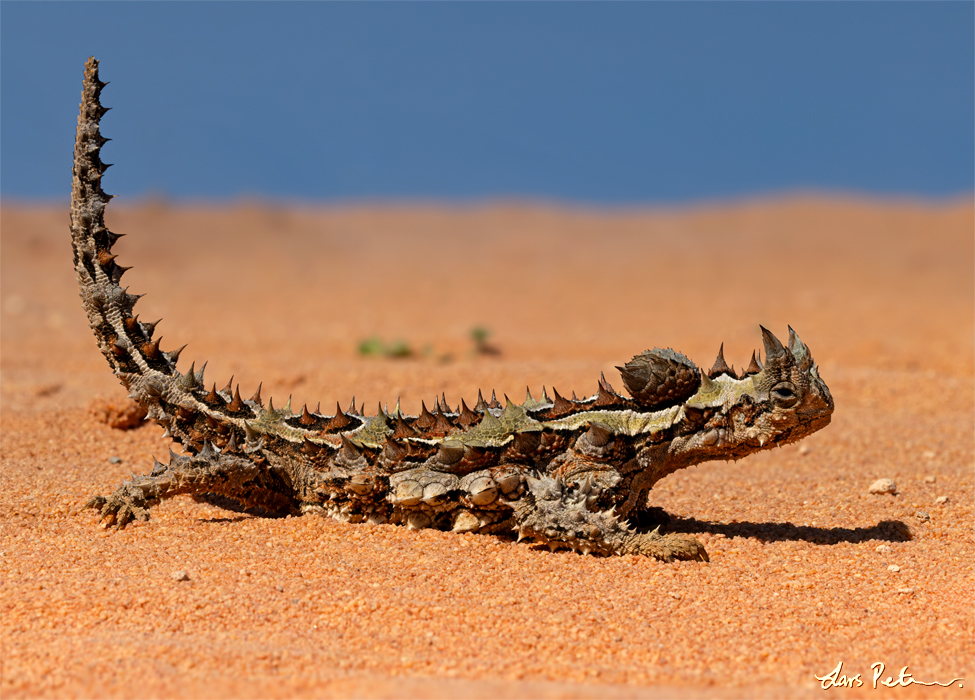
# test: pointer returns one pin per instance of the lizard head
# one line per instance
(796, 400)
(773, 404)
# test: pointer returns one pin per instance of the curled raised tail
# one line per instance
(148, 372)
(126, 343)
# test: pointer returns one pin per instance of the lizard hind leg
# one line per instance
(209, 472)
(554, 515)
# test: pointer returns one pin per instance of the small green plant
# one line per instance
(480, 334)
(374, 346)
(398, 348)
(371, 346)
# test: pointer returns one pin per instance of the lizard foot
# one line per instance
(123, 506)
(668, 547)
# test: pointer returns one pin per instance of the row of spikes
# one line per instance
(433, 423)
(775, 354)
(557, 407)
(395, 448)
(148, 347)
(438, 422)
(427, 421)
(721, 367)
(604, 397)
(193, 380)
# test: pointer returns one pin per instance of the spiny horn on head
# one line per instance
(753, 366)
(799, 351)
(775, 354)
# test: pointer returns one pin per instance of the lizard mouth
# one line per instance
(821, 422)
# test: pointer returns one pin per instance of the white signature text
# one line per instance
(836, 679)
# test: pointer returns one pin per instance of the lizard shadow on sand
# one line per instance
(221, 521)
(886, 530)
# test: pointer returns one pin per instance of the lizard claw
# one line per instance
(96, 502)
(119, 509)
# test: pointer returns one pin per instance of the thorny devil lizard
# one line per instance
(566, 473)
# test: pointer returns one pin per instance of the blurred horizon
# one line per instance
(591, 104)
(163, 201)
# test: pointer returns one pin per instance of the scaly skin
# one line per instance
(567, 473)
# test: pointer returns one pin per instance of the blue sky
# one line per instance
(615, 103)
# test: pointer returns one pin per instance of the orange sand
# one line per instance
(305, 607)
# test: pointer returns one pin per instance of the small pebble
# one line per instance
(804, 450)
(894, 568)
(929, 455)
(941, 500)
(905, 590)
(114, 460)
(881, 486)
(884, 549)
(923, 516)
(180, 576)
(930, 479)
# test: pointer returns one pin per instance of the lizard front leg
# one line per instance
(558, 515)
(667, 547)
(209, 472)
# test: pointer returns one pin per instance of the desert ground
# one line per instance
(808, 569)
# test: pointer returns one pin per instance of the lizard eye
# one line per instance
(784, 395)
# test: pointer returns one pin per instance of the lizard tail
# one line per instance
(127, 343)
